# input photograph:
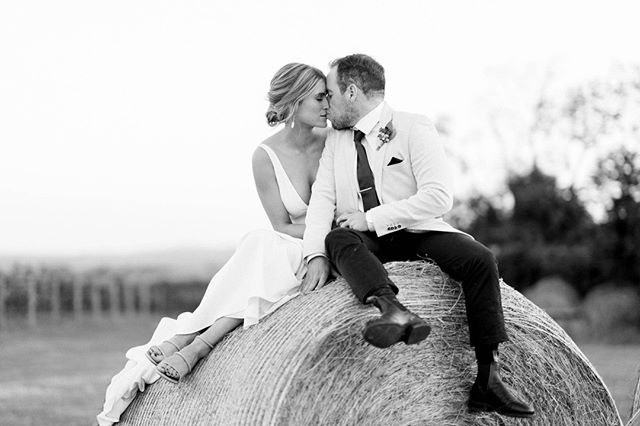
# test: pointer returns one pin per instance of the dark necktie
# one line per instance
(365, 176)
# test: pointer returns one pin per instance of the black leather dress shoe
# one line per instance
(496, 396)
(396, 324)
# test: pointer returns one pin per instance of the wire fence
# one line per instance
(36, 294)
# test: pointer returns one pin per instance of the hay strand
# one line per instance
(635, 406)
(307, 364)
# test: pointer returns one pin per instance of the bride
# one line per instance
(267, 268)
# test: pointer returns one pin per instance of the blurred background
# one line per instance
(127, 129)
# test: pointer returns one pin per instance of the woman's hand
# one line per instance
(317, 274)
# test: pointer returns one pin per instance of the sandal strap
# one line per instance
(189, 366)
(172, 343)
(204, 341)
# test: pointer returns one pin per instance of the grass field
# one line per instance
(57, 375)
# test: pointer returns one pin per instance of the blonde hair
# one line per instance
(290, 85)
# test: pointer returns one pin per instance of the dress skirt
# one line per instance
(264, 273)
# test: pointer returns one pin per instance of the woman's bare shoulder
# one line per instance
(273, 141)
(260, 160)
(263, 171)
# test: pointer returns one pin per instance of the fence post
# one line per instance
(129, 290)
(144, 292)
(32, 297)
(3, 297)
(54, 280)
(78, 281)
(114, 296)
(96, 302)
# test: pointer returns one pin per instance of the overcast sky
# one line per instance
(129, 125)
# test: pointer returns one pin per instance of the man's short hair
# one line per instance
(361, 70)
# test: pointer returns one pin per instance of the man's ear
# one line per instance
(352, 92)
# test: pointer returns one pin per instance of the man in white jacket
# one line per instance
(385, 182)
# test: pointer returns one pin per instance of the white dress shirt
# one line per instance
(370, 125)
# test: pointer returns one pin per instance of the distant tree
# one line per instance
(490, 222)
(561, 129)
(603, 117)
(547, 232)
(561, 220)
(552, 214)
(618, 174)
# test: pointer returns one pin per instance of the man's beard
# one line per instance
(344, 121)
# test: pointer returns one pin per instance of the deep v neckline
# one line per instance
(275, 160)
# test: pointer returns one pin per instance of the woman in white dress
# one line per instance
(267, 268)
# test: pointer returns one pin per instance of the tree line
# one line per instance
(585, 231)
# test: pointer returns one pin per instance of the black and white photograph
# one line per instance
(337, 213)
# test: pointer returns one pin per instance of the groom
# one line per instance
(384, 179)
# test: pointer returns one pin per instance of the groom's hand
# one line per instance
(317, 273)
(353, 220)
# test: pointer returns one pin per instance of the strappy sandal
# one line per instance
(182, 367)
(164, 353)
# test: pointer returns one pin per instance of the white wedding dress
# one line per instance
(264, 272)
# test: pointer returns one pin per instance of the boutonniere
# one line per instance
(386, 134)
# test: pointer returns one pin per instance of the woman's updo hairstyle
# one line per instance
(290, 85)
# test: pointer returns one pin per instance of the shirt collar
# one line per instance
(369, 121)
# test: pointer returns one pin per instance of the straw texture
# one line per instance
(307, 364)
(635, 407)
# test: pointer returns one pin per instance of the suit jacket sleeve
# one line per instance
(322, 205)
(434, 180)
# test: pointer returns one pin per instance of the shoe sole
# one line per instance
(167, 378)
(385, 335)
(416, 333)
(477, 407)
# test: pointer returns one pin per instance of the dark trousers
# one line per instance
(359, 256)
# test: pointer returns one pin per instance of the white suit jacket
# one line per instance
(415, 189)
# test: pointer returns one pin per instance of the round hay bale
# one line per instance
(612, 312)
(554, 295)
(635, 406)
(307, 364)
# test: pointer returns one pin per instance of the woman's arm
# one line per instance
(269, 193)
